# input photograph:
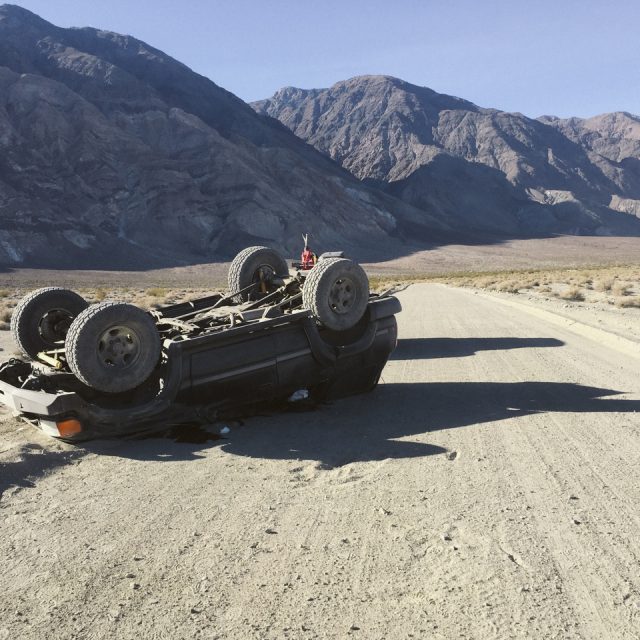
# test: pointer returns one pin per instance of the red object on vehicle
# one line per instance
(308, 259)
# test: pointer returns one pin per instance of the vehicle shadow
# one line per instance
(367, 428)
(428, 348)
(33, 461)
(371, 427)
(178, 443)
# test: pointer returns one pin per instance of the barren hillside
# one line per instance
(114, 154)
(474, 167)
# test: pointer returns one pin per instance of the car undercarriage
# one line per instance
(113, 368)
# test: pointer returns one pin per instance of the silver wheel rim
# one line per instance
(119, 347)
(342, 295)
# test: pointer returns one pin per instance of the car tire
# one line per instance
(41, 320)
(256, 265)
(113, 347)
(336, 291)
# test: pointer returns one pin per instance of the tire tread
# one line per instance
(18, 326)
(312, 282)
(73, 343)
(234, 277)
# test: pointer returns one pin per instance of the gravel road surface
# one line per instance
(488, 488)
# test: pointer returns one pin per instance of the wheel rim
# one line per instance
(54, 325)
(119, 347)
(342, 295)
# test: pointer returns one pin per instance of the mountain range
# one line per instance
(115, 155)
(476, 168)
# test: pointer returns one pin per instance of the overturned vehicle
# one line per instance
(112, 368)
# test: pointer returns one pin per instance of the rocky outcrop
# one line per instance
(477, 168)
(112, 154)
(612, 143)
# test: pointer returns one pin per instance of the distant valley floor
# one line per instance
(562, 251)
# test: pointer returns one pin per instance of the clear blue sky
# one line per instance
(561, 57)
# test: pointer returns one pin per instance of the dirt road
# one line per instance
(489, 488)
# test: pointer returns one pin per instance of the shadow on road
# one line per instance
(366, 428)
(362, 428)
(33, 461)
(428, 348)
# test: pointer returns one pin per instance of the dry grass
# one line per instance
(595, 279)
(620, 288)
(99, 295)
(615, 286)
(378, 284)
(5, 315)
(157, 292)
(507, 286)
(572, 293)
(592, 281)
(604, 285)
(631, 302)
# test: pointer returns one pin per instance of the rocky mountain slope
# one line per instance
(476, 168)
(610, 140)
(114, 154)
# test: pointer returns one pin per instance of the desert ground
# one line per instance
(487, 488)
(543, 253)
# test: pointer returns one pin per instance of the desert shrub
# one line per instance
(633, 301)
(4, 293)
(376, 283)
(572, 293)
(506, 286)
(143, 303)
(4, 326)
(485, 283)
(620, 288)
(157, 292)
(604, 285)
(99, 295)
(149, 302)
(5, 315)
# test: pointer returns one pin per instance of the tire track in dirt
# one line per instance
(614, 570)
(510, 536)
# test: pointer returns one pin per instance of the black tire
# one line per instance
(41, 320)
(337, 292)
(113, 346)
(256, 265)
